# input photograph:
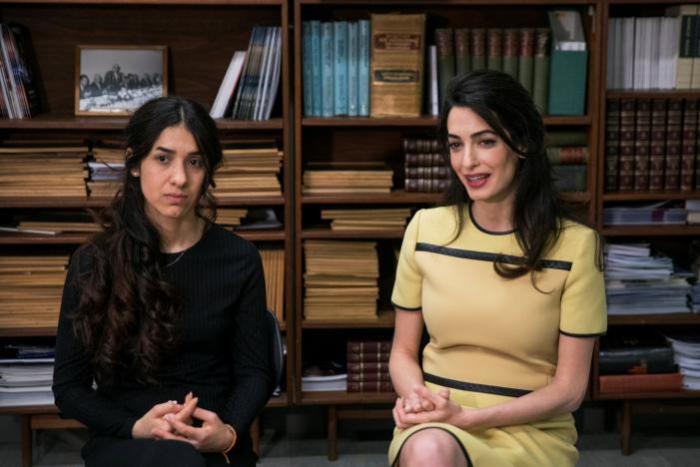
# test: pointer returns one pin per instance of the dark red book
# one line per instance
(436, 172)
(612, 144)
(642, 139)
(688, 147)
(657, 148)
(365, 367)
(627, 146)
(622, 384)
(370, 386)
(425, 185)
(672, 165)
(431, 145)
(368, 357)
(368, 346)
(369, 376)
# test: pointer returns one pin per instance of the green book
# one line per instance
(478, 46)
(540, 84)
(445, 60)
(525, 58)
(494, 60)
(462, 51)
(510, 52)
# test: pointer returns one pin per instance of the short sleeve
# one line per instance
(583, 308)
(409, 279)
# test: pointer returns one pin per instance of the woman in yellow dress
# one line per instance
(509, 288)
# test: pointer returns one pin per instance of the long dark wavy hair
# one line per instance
(506, 106)
(127, 313)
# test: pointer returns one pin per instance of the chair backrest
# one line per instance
(276, 350)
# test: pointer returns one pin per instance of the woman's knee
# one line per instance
(432, 446)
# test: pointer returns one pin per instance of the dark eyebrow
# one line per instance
(172, 151)
(475, 135)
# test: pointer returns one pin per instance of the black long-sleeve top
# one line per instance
(222, 354)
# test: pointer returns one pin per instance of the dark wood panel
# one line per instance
(654, 320)
(651, 230)
(200, 39)
(69, 122)
(346, 398)
(661, 196)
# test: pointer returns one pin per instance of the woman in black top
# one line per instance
(164, 310)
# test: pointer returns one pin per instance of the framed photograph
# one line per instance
(116, 80)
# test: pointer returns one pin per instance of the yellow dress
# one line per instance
(492, 339)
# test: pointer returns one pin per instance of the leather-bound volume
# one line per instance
(628, 384)
(360, 367)
(641, 145)
(494, 60)
(627, 146)
(370, 386)
(688, 144)
(368, 357)
(657, 147)
(423, 159)
(444, 40)
(478, 43)
(425, 185)
(369, 376)
(436, 172)
(568, 155)
(612, 144)
(411, 145)
(368, 346)
(672, 164)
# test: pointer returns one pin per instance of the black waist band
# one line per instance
(464, 386)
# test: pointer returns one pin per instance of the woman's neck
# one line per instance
(179, 234)
(493, 216)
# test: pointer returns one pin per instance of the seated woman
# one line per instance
(165, 310)
(509, 288)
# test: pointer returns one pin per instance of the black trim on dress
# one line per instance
(459, 443)
(474, 387)
(570, 334)
(490, 257)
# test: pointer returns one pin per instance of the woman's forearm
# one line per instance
(405, 372)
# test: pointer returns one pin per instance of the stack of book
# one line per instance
(643, 362)
(340, 280)
(335, 58)
(42, 172)
(638, 283)
(106, 172)
(692, 207)
(368, 366)
(367, 219)
(254, 77)
(230, 217)
(273, 268)
(19, 89)
(652, 214)
(316, 383)
(651, 145)
(30, 290)
(694, 298)
(347, 181)
(26, 375)
(522, 53)
(567, 152)
(50, 223)
(249, 172)
(687, 356)
(425, 168)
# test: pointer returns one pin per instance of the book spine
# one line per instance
(510, 52)
(307, 60)
(421, 145)
(684, 66)
(643, 360)
(371, 386)
(359, 367)
(434, 94)
(688, 148)
(526, 64)
(446, 60)
(478, 44)
(570, 178)
(657, 148)
(340, 67)
(674, 130)
(363, 71)
(495, 49)
(327, 61)
(627, 147)
(316, 68)
(353, 69)
(612, 145)
(425, 185)
(540, 80)
(462, 51)
(619, 384)
(368, 357)
(570, 155)
(368, 346)
(423, 159)
(641, 145)
(437, 172)
(369, 377)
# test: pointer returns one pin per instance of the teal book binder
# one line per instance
(316, 67)
(340, 67)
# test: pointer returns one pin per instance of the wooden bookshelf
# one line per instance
(675, 319)
(346, 398)
(651, 231)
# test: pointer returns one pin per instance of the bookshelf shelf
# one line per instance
(651, 231)
(662, 196)
(649, 395)
(653, 93)
(346, 398)
(430, 122)
(443, 2)
(654, 320)
(29, 332)
(51, 202)
(69, 122)
(395, 197)
(32, 239)
(326, 233)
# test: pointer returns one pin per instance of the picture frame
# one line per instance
(116, 80)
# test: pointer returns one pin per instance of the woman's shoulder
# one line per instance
(225, 240)
(434, 217)
(574, 239)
